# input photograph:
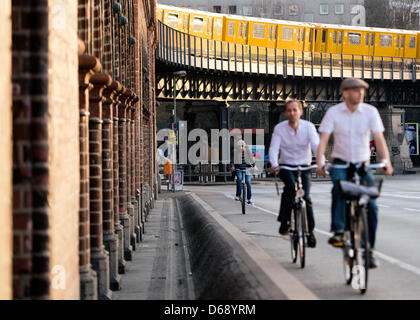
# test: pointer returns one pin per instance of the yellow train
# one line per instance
(300, 36)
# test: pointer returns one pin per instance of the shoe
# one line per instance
(251, 202)
(284, 229)
(373, 262)
(237, 198)
(336, 240)
(311, 240)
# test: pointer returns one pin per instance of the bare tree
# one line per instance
(399, 14)
(404, 15)
(378, 14)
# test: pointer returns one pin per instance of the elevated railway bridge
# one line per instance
(220, 74)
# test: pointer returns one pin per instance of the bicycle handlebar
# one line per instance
(347, 165)
(301, 168)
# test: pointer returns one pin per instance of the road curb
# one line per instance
(227, 264)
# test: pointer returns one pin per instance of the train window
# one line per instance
(335, 37)
(198, 24)
(304, 34)
(340, 37)
(259, 31)
(298, 35)
(385, 40)
(269, 32)
(218, 27)
(287, 34)
(372, 39)
(324, 35)
(173, 20)
(231, 29)
(367, 39)
(240, 30)
(246, 30)
(355, 38)
(310, 36)
(316, 35)
(412, 43)
(402, 41)
(397, 41)
(274, 32)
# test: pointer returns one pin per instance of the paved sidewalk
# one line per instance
(158, 270)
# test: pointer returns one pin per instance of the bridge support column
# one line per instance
(110, 237)
(99, 256)
(396, 140)
(88, 65)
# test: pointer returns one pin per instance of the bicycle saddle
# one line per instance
(353, 190)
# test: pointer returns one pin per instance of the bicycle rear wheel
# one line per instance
(302, 235)
(362, 249)
(293, 237)
(243, 197)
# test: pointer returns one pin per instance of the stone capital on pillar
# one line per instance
(99, 82)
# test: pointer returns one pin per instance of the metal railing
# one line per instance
(187, 50)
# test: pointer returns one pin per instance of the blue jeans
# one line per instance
(338, 209)
(239, 184)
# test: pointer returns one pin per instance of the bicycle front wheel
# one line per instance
(348, 257)
(243, 197)
(362, 248)
(293, 236)
(302, 235)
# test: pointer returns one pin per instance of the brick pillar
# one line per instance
(110, 237)
(118, 228)
(122, 158)
(135, 168)
(130, 206)
(99, 256)
(88, 279)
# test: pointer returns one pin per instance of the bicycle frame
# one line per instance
(298, 219)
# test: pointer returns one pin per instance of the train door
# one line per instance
(272, 36)
(396, 44)
(371, 47)
(306, 36)
(402, 45)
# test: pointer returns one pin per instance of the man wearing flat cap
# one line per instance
(352, 122)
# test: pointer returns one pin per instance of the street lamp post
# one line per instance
(244, 108)
(175, 76)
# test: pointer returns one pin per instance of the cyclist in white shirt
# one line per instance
(293, 139)
(352, 122)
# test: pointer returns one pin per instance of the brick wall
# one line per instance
(63, 141)
(5, 154)
(30, 149)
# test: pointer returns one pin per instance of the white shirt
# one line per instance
(294, 146)
(351, 130)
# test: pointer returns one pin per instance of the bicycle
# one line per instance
(356, 245)
(298, 230)
(243, 201)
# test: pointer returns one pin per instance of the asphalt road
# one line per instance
(398, 237)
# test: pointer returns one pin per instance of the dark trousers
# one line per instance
(289, 178)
